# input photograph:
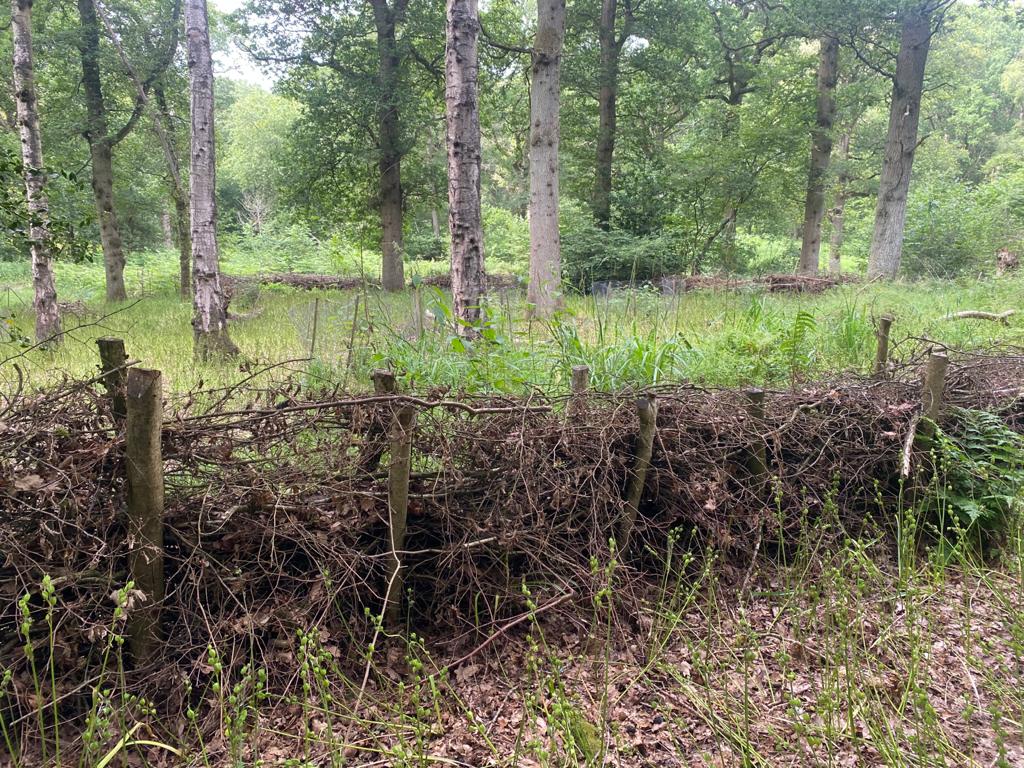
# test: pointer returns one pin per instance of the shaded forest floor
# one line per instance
(840, 658)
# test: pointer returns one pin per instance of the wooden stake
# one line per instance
(351, 342)
(417, 310)
(580, 379)
(316, 320)
(145, 508)
(579, 384)
(647, 410)
(882, 350)
(402, 426)
(384, 383)
(931, 394)
(757, 457)
(114, 374)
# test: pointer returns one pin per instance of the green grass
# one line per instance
(631, 338)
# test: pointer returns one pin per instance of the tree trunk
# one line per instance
(168, 228)
(210, 320)
(463, 143)
(435, 223)
(545, 246)
(900, 146)
(100, 152)
(165, 132)
(839, 210)
(821, 156)
(608, 74)
(44, 292)
(390, 162)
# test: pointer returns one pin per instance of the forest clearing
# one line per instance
(512, 383)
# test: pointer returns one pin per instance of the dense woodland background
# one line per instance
(715, 104)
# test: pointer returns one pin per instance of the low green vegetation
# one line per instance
(627, 338)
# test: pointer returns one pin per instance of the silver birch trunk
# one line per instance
(210, 320)
(44, 291)
(900, 146)
(463, 142)
(544, 289)
(821, 156)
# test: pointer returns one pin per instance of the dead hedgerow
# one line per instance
(277, 502)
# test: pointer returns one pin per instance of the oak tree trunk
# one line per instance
(462, 137)
(210, 321)
(838, 212)
(44, 292)
(390, 161)
(821, 156)
(100, 152)
(608, 87)
(545, 246)
(900, 145)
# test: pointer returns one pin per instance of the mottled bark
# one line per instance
(838, 212)
(821, 156)
(100, 151)
(463, 143)
(545, 246)
(168, 228)
(435, 223)
(44, 292)
(165, 131)
(608, 88)
(210, 320)
(900, 145)
(390, 160)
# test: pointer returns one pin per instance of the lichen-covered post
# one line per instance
(931, 394)
(145, 508)
(114, 374)
(647, 411)
(757, 456)
(579, 384)
(403, 423)
(882, 350)
(374, 444)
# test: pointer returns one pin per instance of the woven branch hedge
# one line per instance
(277, 509)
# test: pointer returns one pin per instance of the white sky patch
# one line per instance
(234, 63)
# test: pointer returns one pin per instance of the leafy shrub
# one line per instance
(590, 253)
(948, 231)
(422, 245)
(506, 237)
(979, 475)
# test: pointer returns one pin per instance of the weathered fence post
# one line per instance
(931, 393)
(384, 383)
(580, 379)
(316, 322)
(417, 308)
(647, 410)
(145, 508)
(113, 373)
(757, 456)
(402, 425)
(882, 350)
(579, 384)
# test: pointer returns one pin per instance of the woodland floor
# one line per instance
(830, 663)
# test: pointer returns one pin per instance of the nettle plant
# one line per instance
(979, 465)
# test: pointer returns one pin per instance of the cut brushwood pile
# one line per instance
(277, 503)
